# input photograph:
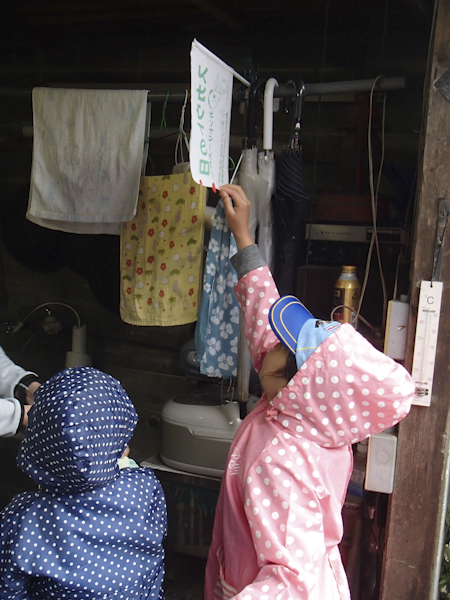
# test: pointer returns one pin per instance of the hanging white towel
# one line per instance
(87, 154)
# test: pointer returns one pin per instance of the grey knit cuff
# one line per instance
(247, 259)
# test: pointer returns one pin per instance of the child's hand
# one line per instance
(237, 209)
(26, 410)
(29, 394)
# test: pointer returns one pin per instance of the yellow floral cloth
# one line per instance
(161, 252)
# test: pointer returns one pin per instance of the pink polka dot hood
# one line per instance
(343, 392)
(278, 521)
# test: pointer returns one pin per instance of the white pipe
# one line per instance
(271, 84)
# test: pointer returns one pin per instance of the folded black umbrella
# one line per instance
(288, 204)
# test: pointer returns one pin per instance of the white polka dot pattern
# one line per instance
(86, 420)
(102, 540)
(291, 460)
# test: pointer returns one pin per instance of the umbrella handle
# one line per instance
(297, 120)
(271, 84)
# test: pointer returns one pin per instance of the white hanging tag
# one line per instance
(428, 313)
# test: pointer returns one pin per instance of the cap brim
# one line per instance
(287, 316)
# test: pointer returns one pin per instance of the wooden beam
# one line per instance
(415, 527)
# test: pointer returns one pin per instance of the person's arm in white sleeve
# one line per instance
(11, 416)
(15, 382)
(11, 375)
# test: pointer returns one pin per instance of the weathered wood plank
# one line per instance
(414, 533)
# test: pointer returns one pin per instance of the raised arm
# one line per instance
(237, 209)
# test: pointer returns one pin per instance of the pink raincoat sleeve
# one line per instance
(256, 292)
(291, 551)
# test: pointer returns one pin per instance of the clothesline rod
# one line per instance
(342, 87)
(282, 91)
(311, 89)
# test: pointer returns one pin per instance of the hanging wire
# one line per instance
(181, 133)
(374, 203)
(163, 123)
(20, 324)
(358, 317)
(164, 108)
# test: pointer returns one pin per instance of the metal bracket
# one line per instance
(441, 226)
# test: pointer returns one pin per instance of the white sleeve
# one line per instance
(10, 416)
(10, 375)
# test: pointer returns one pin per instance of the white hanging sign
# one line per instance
(211, 98)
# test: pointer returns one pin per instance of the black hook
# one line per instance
(297, 118)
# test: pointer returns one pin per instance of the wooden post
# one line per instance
(413, 552)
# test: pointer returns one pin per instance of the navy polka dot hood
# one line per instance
(79, 426)
(92, 530)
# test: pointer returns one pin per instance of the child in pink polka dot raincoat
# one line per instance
(278, 520)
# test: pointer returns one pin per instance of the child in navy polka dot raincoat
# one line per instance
(92, 531)
(278, 520)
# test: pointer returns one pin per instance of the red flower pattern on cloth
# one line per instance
(162, 251)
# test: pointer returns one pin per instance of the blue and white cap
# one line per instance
(297, 329)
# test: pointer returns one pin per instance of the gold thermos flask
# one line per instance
(347, 292)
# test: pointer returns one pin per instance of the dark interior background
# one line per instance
(144, 43)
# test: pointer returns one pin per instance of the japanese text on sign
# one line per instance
(211, 98)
